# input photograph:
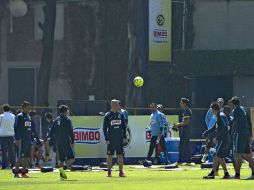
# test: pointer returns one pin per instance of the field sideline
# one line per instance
(138, 179)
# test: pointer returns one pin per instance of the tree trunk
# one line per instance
(48, 28)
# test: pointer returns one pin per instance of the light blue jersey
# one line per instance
(156, 123)
(210, 119)
(125, 115)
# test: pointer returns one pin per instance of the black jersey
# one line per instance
(23, 127)
(114, 126)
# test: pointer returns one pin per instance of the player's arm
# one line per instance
(17, 130)
(51, 131)
(105, 127)
(235, 121)
(127, 117)
(186, 120)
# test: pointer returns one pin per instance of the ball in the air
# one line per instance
(138, 81)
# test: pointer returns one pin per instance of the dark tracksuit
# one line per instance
(184, 144)
(35, 140)
(114, 128)
(52, 139)
(222, 147)
(22, 129)
(241, 131)
(62, 130)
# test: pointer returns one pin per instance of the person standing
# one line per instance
(156, 124)
(162, 142)
(114, 128)
(184, 132)
(241, 138)
(62, 130)
(22, 128)
(7, 120)
(222, 141)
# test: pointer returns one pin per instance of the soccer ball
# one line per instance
(138, 81)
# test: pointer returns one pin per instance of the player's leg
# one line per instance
(238, 164)
(249, 158)
(26, 154)
(70, 156)
(181, 150)
(46, 147)
(215, 165)
(18, 162)
(224, 166)
(110, 153)
(152, 147)
(62, 157)
(119, 152)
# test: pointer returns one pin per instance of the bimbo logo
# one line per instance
(87, 135)
(160, 33)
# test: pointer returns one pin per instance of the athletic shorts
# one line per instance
(65, 152)
(241, 144)
(24, 151)
(115, 147)
(222, 149)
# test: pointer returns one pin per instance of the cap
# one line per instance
(25, 103)
(220, 100)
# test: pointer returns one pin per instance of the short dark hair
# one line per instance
(48, 115)
(186, 101)
(6, 107)
(63, 108)
(226, 108)
(153, 104)
(25, 104)
(215, 106)
(235, 100)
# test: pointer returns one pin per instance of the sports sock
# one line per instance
(237, 174)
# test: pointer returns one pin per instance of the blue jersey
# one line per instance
(114, 127)
(156, 123)
(210, 119)
(165, 124)
(241, 125)
(62, 130)
(22, 127)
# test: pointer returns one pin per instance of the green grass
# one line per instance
(138, 179)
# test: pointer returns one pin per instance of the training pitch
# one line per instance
(137, 178)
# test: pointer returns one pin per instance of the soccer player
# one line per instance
(22, 128)
(156, 124)
(241, 138)
(164, 132)
(50, 141)
(37, 148)
(114, 128)
(222, 142)
(62, 130)
(185, 132)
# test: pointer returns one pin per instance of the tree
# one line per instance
(48, 29)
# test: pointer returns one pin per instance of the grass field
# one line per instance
(138, 179)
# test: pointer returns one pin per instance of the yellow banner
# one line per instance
(90, 142)
(160, 19)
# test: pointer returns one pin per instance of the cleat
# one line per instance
(234, 177)
(63, 175)
(122, 174)
(226, 177)
(209, 176)
(25, 175)
(17, 176)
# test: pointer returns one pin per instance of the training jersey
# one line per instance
(114, 126)
(156, 123)
(186, 130)
(165, 124)
(62, 130)
(22, 127)
(222, 127)
(241, 125)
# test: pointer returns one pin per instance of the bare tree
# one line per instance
(48, 28)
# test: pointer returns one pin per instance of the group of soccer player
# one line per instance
(230, 131)
(61, 131)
